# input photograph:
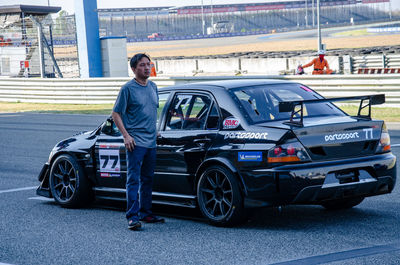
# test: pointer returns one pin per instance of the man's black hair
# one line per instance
(136, 58)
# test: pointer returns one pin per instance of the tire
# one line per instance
(219, 197)
(341, 204)
(68, 183)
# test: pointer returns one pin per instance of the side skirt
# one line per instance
(115, 194)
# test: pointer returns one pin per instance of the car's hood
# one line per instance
(78, 142)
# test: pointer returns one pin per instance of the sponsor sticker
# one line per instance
(250, 156)
(367, 133)
(246, 135)
(306, 88)
(109, 175)
(341, 136)
(108, 146)
(231, 123)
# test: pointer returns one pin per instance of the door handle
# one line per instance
(201, 142)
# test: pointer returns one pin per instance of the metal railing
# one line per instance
(375, 61)
(105, 90)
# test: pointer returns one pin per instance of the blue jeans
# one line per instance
(141, 162)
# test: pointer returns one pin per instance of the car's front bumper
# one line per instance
(313, 183)
(44, 187)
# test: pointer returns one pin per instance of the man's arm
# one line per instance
(309, 64)
(128, 140)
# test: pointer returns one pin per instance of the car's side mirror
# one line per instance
(108, 126)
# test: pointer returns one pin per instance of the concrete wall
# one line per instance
(266, 66)
(176, 67)
(243, 66)
(228, 65)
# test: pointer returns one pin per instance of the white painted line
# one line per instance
(5, 263)
(41, 199)
(395, 145)
(8, 115)
(19, 189)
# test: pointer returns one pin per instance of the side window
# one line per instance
(177, 111)
(162, 99)
(188, 112)
(213, 119)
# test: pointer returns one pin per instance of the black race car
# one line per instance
(226, 146)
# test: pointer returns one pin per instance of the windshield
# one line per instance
(260, 103)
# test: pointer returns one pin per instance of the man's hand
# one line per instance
(128, 140)
(129, 143)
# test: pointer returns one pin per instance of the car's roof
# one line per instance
(226, 84)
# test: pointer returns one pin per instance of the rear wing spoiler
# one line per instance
(366, 101)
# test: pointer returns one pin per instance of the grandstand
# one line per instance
(186, 22)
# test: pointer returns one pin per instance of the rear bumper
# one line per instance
(313, 183)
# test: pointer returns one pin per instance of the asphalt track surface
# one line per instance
(34, 230)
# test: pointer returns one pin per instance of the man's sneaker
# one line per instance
(134, 225)
(152, 219)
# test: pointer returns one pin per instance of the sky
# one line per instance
(68, 5)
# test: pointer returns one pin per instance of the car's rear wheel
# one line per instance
(68, 183)
(219, 197)
(342, 203)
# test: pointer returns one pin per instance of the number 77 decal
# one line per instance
(109, 160)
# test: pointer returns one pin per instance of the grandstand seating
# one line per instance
(175, 24)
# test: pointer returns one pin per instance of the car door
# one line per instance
(110, 157)
(191, 125)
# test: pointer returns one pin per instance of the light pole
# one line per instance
(313, 16)
(202, 16)
(212, 15)
(306, 14)
(319, 26)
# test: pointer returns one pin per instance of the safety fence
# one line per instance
(105, 90)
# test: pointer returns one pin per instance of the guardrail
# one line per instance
(105, 90)
(375, 61)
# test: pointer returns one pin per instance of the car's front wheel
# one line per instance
(342, 203)
(68, 183)
(219, 197)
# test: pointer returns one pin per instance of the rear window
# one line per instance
(261, 103)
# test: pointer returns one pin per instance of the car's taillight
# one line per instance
(289, 152)
(384, 142)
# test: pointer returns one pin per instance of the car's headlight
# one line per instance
(287, 153)
(384, 142)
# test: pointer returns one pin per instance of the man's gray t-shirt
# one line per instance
(137, 105)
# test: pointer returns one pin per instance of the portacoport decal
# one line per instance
(246, 135)
(231, 123)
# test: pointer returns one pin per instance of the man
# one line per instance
(135, 114)
(319, 64)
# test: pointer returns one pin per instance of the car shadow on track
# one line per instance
(292, 217)
(301, 217)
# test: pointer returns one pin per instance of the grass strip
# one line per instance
(7, 107)
(381, 113)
